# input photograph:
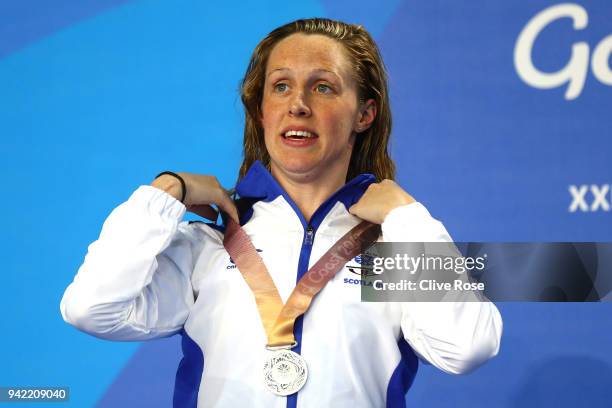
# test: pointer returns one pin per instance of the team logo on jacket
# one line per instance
(233, 265)
(362, 266)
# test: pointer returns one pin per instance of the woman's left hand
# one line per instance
(378, 201)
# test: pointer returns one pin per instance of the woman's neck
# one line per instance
(309, 193)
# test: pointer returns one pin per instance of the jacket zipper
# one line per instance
(309, 235)
(302, 268)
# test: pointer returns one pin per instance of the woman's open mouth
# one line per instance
(299, 138)
(299, 135)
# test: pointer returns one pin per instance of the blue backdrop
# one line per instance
(502, 118)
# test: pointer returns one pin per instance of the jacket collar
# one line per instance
(259, 185)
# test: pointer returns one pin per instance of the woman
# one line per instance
(317, 121)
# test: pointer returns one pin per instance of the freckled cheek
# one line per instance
(339, 125)
(270, 119)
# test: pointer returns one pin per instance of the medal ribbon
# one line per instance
(278, 319)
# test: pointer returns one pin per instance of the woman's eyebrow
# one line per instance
(326, 71)
(277, 70)
(314, 71)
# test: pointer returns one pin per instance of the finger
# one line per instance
(204, 211)
(227, 205)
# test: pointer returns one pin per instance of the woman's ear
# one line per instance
(367, 114)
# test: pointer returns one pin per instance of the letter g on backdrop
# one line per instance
(575, 71)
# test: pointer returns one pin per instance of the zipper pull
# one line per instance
(309, 235)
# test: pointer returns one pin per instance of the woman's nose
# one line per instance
(299, 107)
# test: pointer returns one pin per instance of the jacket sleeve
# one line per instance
(135, 281)
(456, 336)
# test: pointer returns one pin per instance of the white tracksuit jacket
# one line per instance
(150, 275)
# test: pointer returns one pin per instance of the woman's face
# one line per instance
(310, 111)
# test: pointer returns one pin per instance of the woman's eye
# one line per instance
(322, 88)
(281, 87)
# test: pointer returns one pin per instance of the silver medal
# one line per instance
(285, 372)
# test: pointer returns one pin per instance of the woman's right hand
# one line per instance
(201, 192)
